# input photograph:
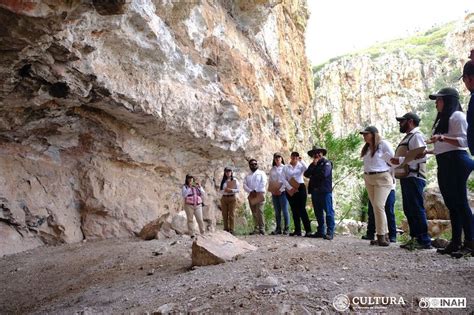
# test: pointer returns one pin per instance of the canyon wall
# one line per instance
(105, 106)
(363, 89)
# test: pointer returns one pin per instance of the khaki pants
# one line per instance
(191, 212)
(257, 213)
(228, 209)
(379, 187)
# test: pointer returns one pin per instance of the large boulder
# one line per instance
(218, 247)
(434, 205)
(150, 231)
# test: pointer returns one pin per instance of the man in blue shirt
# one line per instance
(320, 187)
(468, 79)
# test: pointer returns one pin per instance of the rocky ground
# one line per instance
(285, 275)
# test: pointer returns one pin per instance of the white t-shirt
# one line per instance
(457, 129)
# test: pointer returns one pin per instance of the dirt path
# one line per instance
(285, 274)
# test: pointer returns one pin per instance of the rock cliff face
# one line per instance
(362, 90)
(106, 105)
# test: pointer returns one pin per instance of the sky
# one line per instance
(337, 27)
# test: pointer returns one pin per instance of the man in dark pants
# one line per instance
(320, 187)
(390, 213)
(468, 79)
(412, 177)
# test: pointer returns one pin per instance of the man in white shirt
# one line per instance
(412, 182)
(255, 183)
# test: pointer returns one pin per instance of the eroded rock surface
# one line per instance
(105, 106)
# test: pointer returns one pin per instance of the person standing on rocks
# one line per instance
(378, 180)
(254, 185)
(229, 187)
(468, 79)
(192, 193)
(454, 166)
(320, 187)
(412, 181)
(296, 189)
(279, 199)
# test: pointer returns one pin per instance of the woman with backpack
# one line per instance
(192, 193)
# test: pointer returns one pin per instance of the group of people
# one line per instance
(452, 135)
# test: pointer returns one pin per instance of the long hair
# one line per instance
(282, 161)
(441, 123)
(187, 179)
(373, 146)
(224, 178)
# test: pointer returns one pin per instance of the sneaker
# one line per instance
(285, 231)
(276, 232)
(308, 234)
(466, 250)
(451, 248)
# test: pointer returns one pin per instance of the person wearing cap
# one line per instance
(413, 182)
(254, 183)
(376, 154)
(228, 188)
(279, 198)
(293, 172)
(468, 79)
(454, 166)
(319, 173)
(192, 193)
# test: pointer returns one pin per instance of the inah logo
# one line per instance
(341, 302)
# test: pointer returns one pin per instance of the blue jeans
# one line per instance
(412, 194)
(389, 212)
(280, 204)
(323, 202)
(454, 168)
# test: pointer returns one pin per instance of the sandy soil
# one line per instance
(285, 275)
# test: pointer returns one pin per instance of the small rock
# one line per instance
(268, 282)
(151, 272)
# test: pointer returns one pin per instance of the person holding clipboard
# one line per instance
(296, 192)
(228, 188)
(412, 176)
(254, 184)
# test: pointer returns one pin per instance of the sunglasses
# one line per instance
(253, 164)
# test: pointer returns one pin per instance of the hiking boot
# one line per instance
(328, 237)
(286, 231)
(308, 234)
(451, 248)
(367, 237)
(382, 241)
(466, 251)
(261, 232)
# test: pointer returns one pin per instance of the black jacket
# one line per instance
(320, 176)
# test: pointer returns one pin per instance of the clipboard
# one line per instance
(294, 183)
(232, 184)
(256, 198)
(274, 187)
(411, 156)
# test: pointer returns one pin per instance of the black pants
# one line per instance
(298, 209)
